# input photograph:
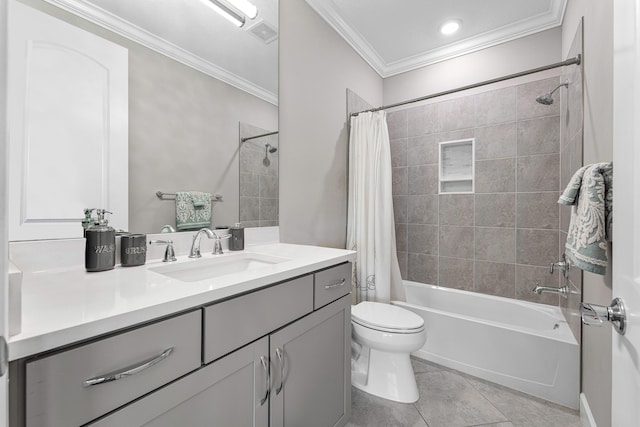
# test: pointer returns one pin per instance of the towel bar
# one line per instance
(172, 196)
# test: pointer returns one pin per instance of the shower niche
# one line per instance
(456, 166)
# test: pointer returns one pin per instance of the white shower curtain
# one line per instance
(370, 222)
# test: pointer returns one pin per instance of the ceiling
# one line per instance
(395, 36)
(190, 32)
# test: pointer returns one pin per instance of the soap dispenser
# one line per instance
(100, 249)
(237, 238)
(87, 221)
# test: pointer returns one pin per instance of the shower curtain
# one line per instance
(370, 222)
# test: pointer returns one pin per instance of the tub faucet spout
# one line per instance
(564, 290)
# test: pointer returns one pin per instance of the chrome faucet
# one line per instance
(564, 291)
(169, 253)
(195, 244)
(167, 229)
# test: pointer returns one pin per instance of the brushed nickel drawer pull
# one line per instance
(114, 376)
(281, 359)
(337, 284)
(265, 366)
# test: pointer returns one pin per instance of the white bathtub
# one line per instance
(521, 345)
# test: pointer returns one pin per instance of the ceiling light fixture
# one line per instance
(450, 27)
(237, 17)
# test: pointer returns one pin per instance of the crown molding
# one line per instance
(545, 21)
(114, 23)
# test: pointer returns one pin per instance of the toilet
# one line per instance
(383, 336)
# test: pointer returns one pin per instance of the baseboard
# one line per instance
(585, 412)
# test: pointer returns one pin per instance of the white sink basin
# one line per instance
(208, 268)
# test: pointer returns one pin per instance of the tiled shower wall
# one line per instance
(258, 178)
(501, 239)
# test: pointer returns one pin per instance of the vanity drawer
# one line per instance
(238, 321)
(58, 392)
(331, 284)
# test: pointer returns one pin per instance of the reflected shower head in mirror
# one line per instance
(547, 98)
(271, 148)
(268, 148)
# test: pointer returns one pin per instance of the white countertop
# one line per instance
(64, 306)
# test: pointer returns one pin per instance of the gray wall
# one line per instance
(183, 131)
(500, 240)
(316, 68)
(598, 147)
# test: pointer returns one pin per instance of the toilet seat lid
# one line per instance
(385, 317)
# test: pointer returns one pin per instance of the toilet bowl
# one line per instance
(383, 336)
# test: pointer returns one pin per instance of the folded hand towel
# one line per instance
(590, 192)
(193, 210)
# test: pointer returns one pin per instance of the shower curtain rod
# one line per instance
(258, 136)
(576, 60)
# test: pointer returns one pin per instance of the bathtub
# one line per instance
(521, 345)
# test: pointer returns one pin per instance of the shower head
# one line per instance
(547, 99)
(271, 148)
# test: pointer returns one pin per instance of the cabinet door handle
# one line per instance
(265, 366)
(280, 355)
(337, 284)
(114, 376)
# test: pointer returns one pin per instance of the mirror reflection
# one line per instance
(192, 77)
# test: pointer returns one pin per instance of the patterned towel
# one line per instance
(590, 193)
(193, 210)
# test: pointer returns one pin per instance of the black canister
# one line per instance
(133, 249)
(100, 249)
(236, 243)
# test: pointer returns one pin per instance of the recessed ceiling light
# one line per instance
(450, 27)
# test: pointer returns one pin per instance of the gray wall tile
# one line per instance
(269, 186)
(455, 273)
(496, 142)
(496, 210)
(403, 258)
(457, 113)
(423, 239)
(397, 124)
(496, 106)
(456, 209)
(268, 209)
(422, 268)
(423, 209)
(249, 185)
(496, 176)
(496, 245)
(456, 242)
(400, 209)
(539, 173)
(527, 106)
(538, 210)
(537, 247)
(249, 209)
(527, 277)
(399, 181)
(495, 279)
(401, 237)
(422, 150)
(422, 120)
(422, 179)
(398, 153)
(539, 136)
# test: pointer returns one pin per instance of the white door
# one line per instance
(626, 220)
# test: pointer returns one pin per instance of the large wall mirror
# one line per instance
(196, 80)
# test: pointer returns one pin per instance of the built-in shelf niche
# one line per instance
(456, 166)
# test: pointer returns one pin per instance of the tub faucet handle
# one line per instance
(596, 315)
(563, 265)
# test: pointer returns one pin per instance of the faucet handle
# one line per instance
(563, 265)
(169, 253)
(217, 244)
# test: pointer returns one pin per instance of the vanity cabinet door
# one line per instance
(230, 392)
(311, 370)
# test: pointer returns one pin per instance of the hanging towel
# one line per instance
(590, 193)
(193, 210)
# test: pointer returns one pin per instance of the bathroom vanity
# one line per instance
(269, 346)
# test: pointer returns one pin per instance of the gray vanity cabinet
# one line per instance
(311, 377)
(232, 391)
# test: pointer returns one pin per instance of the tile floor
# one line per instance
(450, 398)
